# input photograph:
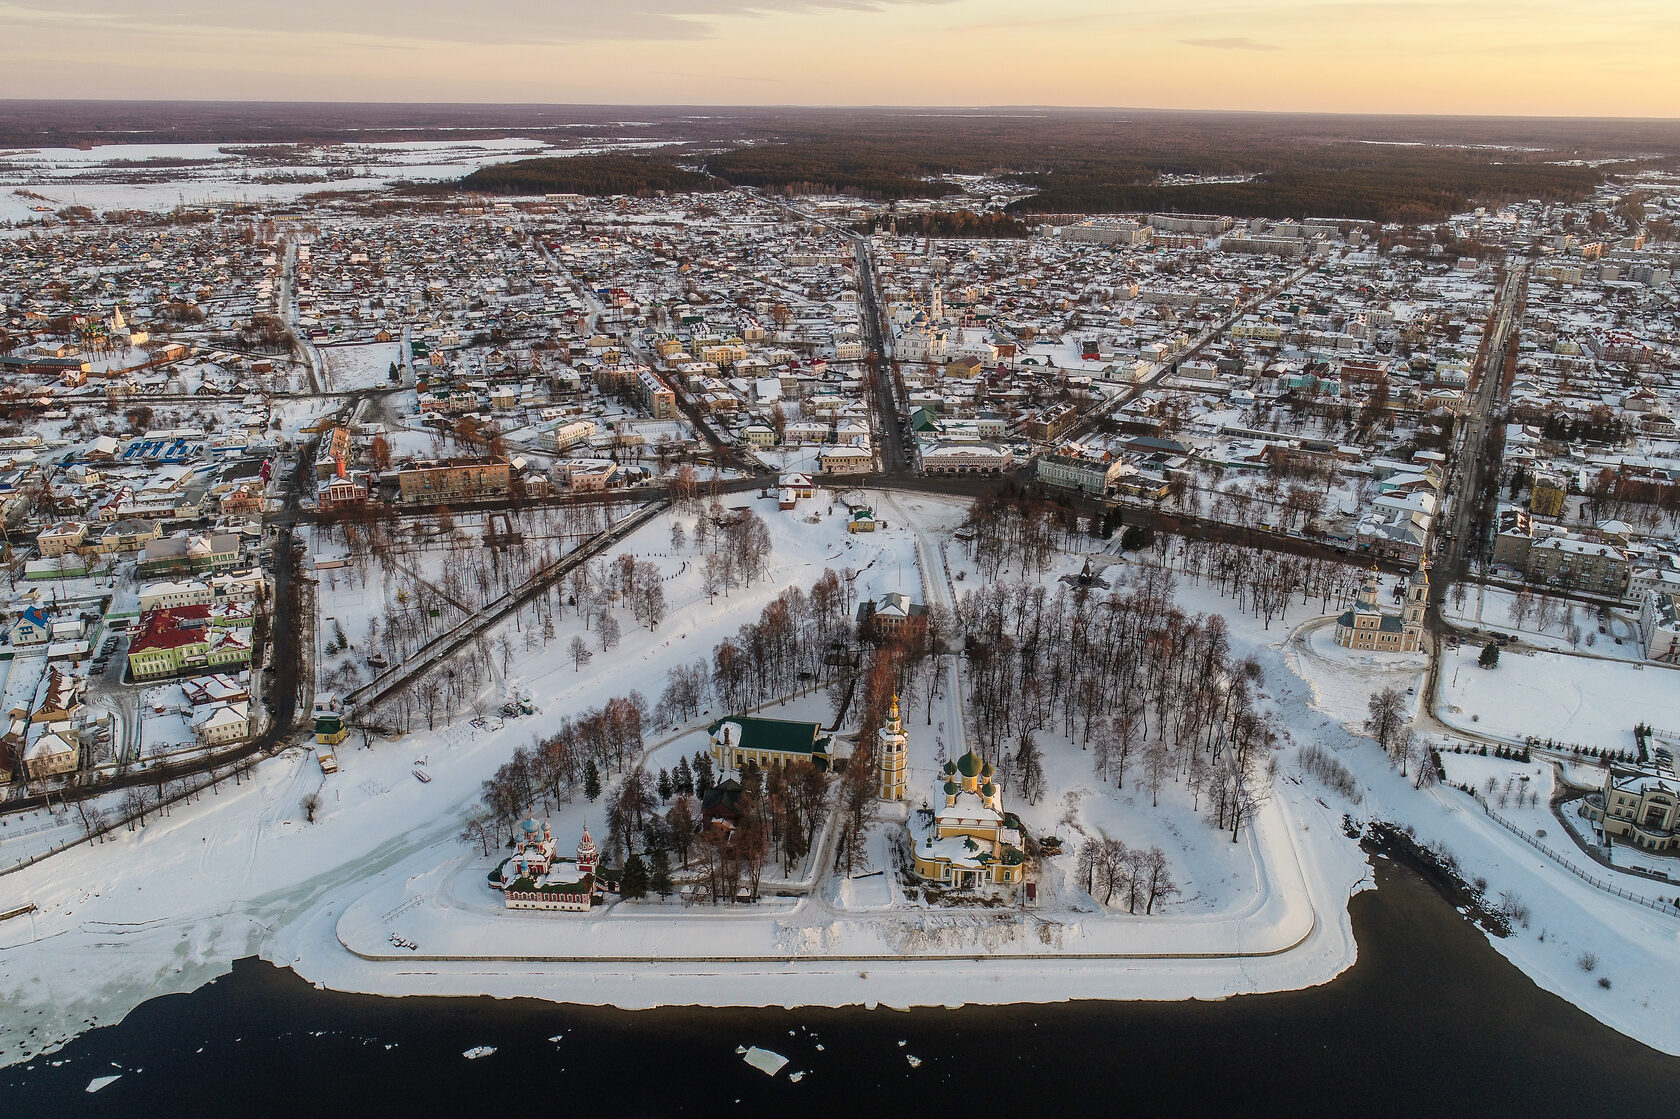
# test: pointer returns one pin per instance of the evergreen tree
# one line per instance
(664, 786)
(703, 778)
(1490, 655)
(591, 780)
(634, 884)
(682, 780)
(660, 880)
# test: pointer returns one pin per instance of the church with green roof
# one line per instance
(971, 840)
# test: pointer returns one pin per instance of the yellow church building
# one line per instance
(970, 840)
(1367, 627)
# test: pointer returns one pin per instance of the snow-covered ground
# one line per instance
(170, 905)
(1549, 626)
(1569, 700)
(153, 176)
(1566, 916)
(239, 872)
(365, 366)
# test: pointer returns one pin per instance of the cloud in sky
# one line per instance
(1234, 43)
(1450, 56)
(508, 22)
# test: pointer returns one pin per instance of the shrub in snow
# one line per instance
(1316, 762)
(1588, 961)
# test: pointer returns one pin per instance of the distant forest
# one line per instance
(1408, 185)
(1372, 182)
(1079, 163)
(882, 169)
(594, 175)
(1408, 169)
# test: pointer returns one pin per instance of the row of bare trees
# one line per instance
(1264, 583)
(550, 770)
(788, 645)
(1126, 674)
(1019, 527)
(1139, 876)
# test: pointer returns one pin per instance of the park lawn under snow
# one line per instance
(1568, 700)
(1490, 609)
(364, 366)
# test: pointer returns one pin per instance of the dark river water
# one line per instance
(1431, 1021)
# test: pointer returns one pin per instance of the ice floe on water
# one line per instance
(767, 1061)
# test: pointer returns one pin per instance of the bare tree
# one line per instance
(857, 807)
(1157, 763)
(608, 630)
(480, 828)
(1385, 717)
(134, 806)
(93, 816)
(311, 804)
(1113, 867)
(679, 820)
(1090, 858)
(1158, 881)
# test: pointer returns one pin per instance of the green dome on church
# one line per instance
(969, 765)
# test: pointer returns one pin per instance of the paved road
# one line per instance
(286, 298)
(1471, 471)
(891, 415)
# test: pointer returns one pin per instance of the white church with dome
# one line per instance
(535, 877)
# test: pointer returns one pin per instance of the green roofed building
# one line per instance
(739, 739)
(971, 840)
(330, 729)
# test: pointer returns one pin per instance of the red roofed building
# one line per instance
(183, 639)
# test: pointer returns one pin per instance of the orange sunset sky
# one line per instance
(1599, 58)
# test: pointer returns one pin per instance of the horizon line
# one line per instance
(836, 107)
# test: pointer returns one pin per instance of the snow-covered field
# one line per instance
(360, 366)
(1569, 700)
(153, 176)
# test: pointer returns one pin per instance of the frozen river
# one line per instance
(1430, 1021)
